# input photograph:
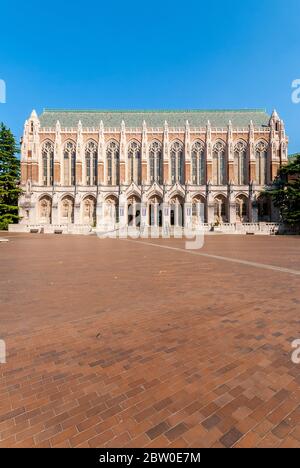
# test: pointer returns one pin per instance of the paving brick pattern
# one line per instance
(113, 343)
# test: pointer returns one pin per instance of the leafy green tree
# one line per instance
(285, 192)
(9, 178)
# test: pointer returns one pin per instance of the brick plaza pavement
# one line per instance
(119, 343)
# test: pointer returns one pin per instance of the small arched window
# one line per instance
(177, 163)
(48, 163)
(198, 163)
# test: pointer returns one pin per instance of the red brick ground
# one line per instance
(118, 343)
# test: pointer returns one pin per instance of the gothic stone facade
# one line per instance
(83, 169)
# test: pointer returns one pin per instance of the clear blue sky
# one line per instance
(155, 54)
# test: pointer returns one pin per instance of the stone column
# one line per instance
(79, 154)
(210, 205)
(166, 159)
(123, 155)
(54, 216)
(230, 154)
(188, 219)
(166, 218)
(208, 153)
(77, 211)
(144, 223)
(57, 155)
(101, 155)
(252, 161)
(187, 153)
(123, 215)
(144, 154)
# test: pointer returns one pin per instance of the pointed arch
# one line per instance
(242, 208)
(155, 210)
(89, 210)
(45, 209)
(220, 209)
(199, 209)
(67, 209)
(177, 210)
(134, 210)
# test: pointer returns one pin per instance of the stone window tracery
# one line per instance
(48, 163)
(69, 163)
(240, 163)
(155, 160)
(112, 158)
(198, 163)
(219, 164)
(177, 163)
(134, 162)
(91, 163)
(261, 157)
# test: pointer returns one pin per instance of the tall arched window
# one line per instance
(240, 163)
(177, 163)
(112, 159)
(155, 160)
(69, 163)
(198, 163)
(219, 164)
(261, 156)
(48, 163)
(91, 163)
(134, 162)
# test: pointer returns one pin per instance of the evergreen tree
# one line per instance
(285, 192)
(9, 178)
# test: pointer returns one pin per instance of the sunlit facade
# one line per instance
(85, 169)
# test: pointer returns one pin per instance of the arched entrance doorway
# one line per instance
(177, 211)
(134, 211)
(155, 211)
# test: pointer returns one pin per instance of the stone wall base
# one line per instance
(226, 228)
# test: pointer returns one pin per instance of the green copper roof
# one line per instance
(154, 118)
